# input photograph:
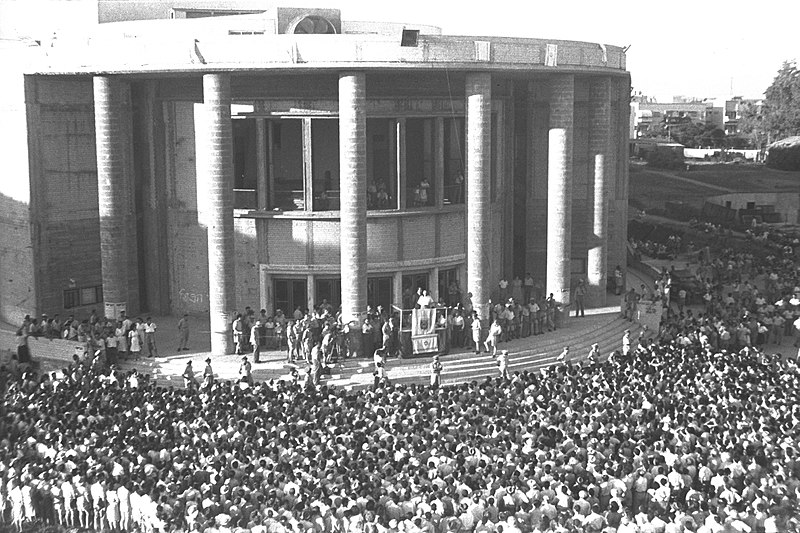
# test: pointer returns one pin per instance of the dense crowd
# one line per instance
(689, 429)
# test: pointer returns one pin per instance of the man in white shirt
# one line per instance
(150, 337)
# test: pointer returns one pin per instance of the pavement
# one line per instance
(600, 325)
(603, 326)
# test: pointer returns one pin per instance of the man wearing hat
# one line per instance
(594, 353)
(580, 293)
(208, 375)
(189, 380)
(436, 372)
(245, 371)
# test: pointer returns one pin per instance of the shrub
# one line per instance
(666, 159)
(784, 154)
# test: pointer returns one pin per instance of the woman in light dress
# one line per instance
(135, 343)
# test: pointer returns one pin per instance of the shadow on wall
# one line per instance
(188, 263)
(17, 294)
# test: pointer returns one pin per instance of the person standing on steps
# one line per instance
(476, 331)
(238, 334)
(594, 353)
(189, 381)
(495, 330)
(255, 341)
(563, 357)
(150, 337)
(436, 372)
(626, 343)
(502, 364)
(580, 294)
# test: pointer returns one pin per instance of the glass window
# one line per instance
(328, 291)
(325, 163)
(289, 295)
(381, 180)
(449, 286)
(287, 163)
(412, 283)
(83, 296)
(245, 173)
(454, 164)
(419, 162)
(379, 292)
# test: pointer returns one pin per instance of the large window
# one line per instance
(420, 162)
(381, 173)
(289, 295)
(325, 164)
(245, 173)
(328, 291)
(454, 163)
(411, 284)
(286, 164)
(300, 158)
(379, 292)
(83, 296)
(449, 286)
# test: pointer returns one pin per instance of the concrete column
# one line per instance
(599, 143)
(267, 294)
(310, 286)
(353, 183)
(479, 246)
(261, 163)
(217, 166)
(438, 162)
(308, 166)
(434, 284)
(397, 290)
(270, 165)
(401, 163)
(559, 187)
(113, 128)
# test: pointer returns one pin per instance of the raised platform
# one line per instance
(603, 326)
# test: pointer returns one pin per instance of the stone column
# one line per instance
(216, 165)
(310, 291)
(438, 162)
(353, 183)
(113, 132)
(266, 290)
(559, 187)
(478, 179)
(262, 161)
(397, 291)
(599, 142)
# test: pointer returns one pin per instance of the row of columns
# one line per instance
(215, 172)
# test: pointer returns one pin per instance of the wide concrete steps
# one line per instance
(532, 354)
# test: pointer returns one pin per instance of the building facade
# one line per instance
(276, 159)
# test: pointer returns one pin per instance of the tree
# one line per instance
(779, 117)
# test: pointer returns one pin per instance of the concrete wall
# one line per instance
(17, 292)
(395, 242)
(785, 203)
(63, 175)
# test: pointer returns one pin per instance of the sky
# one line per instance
(701, 48)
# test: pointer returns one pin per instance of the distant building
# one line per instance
(647, 115)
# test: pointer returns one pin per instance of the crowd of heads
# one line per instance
(679, 433)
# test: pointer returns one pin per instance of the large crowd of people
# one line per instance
(689, 429)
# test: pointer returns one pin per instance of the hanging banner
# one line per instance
(425, 344)
(423, 322)
(423, 331)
